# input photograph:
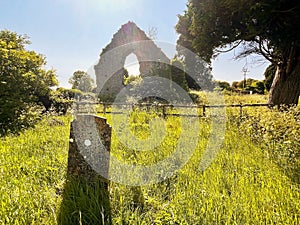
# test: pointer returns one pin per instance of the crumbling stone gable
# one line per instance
(110, 69)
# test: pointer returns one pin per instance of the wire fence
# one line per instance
(165, 109)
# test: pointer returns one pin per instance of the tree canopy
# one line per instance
(82, 81)
(269, 76)
(23, 81)
(266, 27)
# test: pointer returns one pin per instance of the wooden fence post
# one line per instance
(164, 111)
(203, 107)
(104, 108)
(241, 112)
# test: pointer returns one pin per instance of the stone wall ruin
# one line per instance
(110, 68)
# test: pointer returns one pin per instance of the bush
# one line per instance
(22, 82)
(62, 99)
(27, 117)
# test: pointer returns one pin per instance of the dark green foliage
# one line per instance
(82, 81)
(23, 83)
(106, 98)
(269, 28)
(81, 199)
(235, 84)
(258, 87)
(207, 25)
(269, 76)
(160, 70)
(223, 85)
(132, 80)
(178, 74)
(62, 99)
(198, 73)
(68, 94)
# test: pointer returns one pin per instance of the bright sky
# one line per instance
(72, 33)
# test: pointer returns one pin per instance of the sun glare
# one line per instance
(114, 5)
(105, 6)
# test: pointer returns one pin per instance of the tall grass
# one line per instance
(245, 184)
(242, 186)
(32, 173)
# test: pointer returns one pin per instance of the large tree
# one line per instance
(198, 71)
(82, 81)
(23, 81)
(270, 28)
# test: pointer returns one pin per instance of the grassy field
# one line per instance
(253, 179)
(32, 173)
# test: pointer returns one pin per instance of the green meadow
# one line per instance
(254, 179)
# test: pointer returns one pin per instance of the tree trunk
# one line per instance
(285, 89)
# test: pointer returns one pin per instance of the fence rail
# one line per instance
(84, 107)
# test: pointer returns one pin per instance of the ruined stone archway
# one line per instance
(132, 65)
(110, 69)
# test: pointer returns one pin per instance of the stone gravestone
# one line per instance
(87, 185)
(90, 138)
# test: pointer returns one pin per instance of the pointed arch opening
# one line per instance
(132, 65)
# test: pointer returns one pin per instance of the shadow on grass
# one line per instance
(85, 202)
(86, 196)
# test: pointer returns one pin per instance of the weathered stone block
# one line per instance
(90, 138)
